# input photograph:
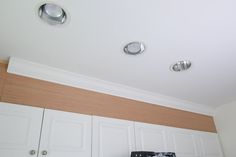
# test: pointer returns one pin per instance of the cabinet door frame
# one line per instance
(99, 123)
(17, 116)
(152, 129)
(209, 144)
(183, 140)
(60, 131)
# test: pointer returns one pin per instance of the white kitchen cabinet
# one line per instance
(159, 138)
(34, 132)
(183, 142)
(65, 134)
(19, 130)
(150, 137)
(112, 137)
(210, 144)
(191, 143)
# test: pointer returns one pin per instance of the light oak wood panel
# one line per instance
(33, 92)
(3, 61)
(3, 69)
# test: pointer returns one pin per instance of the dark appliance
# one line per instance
(152, 154)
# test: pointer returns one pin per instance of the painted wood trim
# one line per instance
(23, 90)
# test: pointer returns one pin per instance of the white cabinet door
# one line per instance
(19, 130)
(183, 142)
(150, 137)
(65, 134)
(210, 146)
(112, 137)
(191, 143)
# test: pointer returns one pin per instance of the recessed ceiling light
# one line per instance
(181, 66)
(134, 48)
(52, 14)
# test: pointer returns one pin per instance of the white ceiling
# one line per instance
(91, 43)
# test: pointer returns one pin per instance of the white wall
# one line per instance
(225, 120)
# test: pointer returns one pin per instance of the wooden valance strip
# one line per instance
(27, 91)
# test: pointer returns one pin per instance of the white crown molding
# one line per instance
(43, 72)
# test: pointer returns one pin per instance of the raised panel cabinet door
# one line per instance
(183, 142)
(112, 137)
(65, 134)
(19, 130)
(210, 145)
(150, 137)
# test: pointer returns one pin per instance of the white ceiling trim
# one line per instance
(43, 72)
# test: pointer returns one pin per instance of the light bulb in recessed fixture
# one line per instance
(52, 14)
(181, 66)
(134, 48)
